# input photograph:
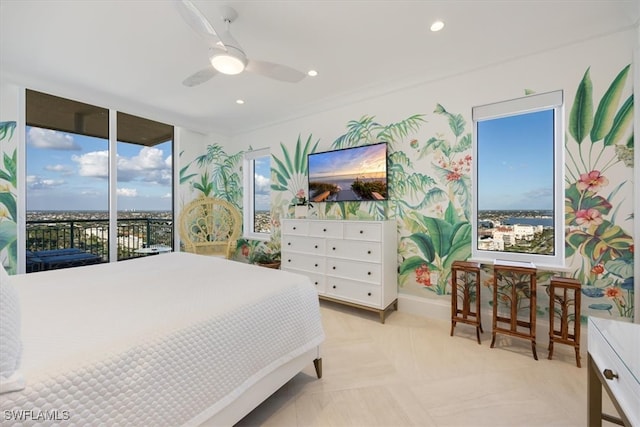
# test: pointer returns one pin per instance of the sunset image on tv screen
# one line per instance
(358, 173)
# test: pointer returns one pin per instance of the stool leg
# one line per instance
(552, 312)
(578, 356)
(454, 299)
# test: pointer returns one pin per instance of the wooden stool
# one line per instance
(465, 278)
(566, 292)
(513, 287)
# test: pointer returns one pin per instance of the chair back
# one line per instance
(210, 226)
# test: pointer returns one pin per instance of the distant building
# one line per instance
(524, 232)
(490, 245)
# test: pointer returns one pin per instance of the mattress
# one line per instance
(158, 340)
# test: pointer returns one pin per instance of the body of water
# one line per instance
(545, 222)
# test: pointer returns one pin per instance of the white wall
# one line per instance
(561, 68)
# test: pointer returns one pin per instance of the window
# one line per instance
(85, 193)
(257, 194)
(519, 180)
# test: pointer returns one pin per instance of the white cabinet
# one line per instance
(351, 262)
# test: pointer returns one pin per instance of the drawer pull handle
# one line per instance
(288, 243)
(334, 286)
(361, 231)
(369, 293)
(315, 246)
(609, 374)
(288, 260)
(334, 248)
(315, 265)
(316, 283)
(334, 267)
(294, 228)
(368, 252)
(368, 273)
(324, 229)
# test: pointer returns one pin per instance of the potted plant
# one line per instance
(267, 255)
(301, 204)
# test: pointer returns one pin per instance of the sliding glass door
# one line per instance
(71, 166)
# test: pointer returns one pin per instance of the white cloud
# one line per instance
(147, 166)
(35, 182)
(127, 192)
(262, 184)
(62, 169)
(93, 164)
(51, 139)
(167, 196)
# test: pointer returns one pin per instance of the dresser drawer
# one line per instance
(310, 245)
(357, 250)
(325, 229)
(303, 262)
(626, 387)
(317, 280)
(363, 231)
(360, 293)
(363, 271)
(296, 227)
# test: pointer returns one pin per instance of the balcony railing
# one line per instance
(92, 235)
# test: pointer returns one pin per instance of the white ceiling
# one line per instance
(133, 55)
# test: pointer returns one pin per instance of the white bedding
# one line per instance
(160, 340)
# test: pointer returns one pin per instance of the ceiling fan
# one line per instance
(225, 53)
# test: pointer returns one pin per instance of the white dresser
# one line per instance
(351, 262)
(614, 364)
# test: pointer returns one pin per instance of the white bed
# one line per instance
(175, 339)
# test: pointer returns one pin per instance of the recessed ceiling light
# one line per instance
(437, 26)
(240, 101)
(312, 73)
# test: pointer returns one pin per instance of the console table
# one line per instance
(613, 364)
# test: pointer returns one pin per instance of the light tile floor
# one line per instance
(410, 372)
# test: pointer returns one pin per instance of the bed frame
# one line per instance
(257, 394)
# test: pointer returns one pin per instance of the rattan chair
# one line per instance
(210, 226)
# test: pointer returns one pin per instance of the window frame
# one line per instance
(529, 104)
(248, 211)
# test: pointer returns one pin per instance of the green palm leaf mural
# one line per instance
(8, 199)
(603, 247)
(223, 179)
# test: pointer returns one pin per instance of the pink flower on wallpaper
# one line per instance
(588, 217)
(591, 181)
(422, 275)
(613, 292)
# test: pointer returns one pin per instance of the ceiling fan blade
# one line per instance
(275, 71)
(200, 77)
(197, 21)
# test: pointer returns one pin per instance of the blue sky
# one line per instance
(262, 183)
(515, 162)
(69, 172)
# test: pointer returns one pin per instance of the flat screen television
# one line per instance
(349, 174)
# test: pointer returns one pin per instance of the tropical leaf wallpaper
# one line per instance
(429, 165)
(8, 197)
(430, 194)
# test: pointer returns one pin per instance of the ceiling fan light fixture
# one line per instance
(228, 63)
